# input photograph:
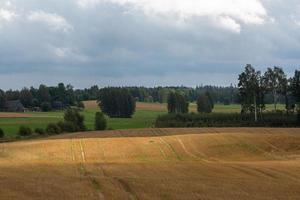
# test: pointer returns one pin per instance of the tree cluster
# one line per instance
(117, 102)
(205, 103)
(46, 98)
(177, 103)
(254, 86)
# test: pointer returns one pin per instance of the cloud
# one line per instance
(229, 24)
(230, 14)
(54, 21)
(145, 42)
(7, 15)
(87, 3)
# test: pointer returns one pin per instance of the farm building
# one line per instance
(14, 106)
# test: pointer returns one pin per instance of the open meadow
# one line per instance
(207, 163)
(144, 117)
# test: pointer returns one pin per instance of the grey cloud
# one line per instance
(109, 45)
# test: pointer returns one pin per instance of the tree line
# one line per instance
(254, 85)
(55, 97)
(44, 97)
(226, 95)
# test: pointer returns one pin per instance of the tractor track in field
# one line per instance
(172, 149)
(154, 164)
(185, 149)
(82, 168)
(162, 132)
(160, 143)
(96, 185)
(253, 171)
(126, 187)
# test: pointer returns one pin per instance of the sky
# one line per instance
(144, 42)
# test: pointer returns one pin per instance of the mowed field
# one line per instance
(231, 164)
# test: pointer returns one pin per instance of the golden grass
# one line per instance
(90, 104)
(212, 163)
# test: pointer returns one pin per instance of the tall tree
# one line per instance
(211, 101)
(177, 103)
(295, 87)
(275, 81)
(204, 104)
(249, 89)
(2, 100)
(43, 94)
(61, 92)
(26, 97)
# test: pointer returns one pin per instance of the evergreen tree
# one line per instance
(204, 104)
(211, 101)
(177, 103)
(295, 87)
(117, 102)
(43, 94)
(26, 97)
(2, 100)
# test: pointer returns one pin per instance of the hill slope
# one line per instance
(155, 164)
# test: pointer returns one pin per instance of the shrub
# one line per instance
(24, 131)
(100, 121)
(72, 116)
(80, 105)
(46, 107)
(39, 131)
(2, 134)
(67, 127)
(53, 129)
(225, 120)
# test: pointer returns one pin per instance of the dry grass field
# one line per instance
(203, 164)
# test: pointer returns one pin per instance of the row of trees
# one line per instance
(226, 95)
(44, 97)
(177, 103)
(253, 87)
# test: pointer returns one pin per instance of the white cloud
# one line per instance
(230, 13)
(54, 21)
(87, 3)
(7, 15)
(229, 24)
(61, 52)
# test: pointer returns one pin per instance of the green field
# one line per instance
(143, 118)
